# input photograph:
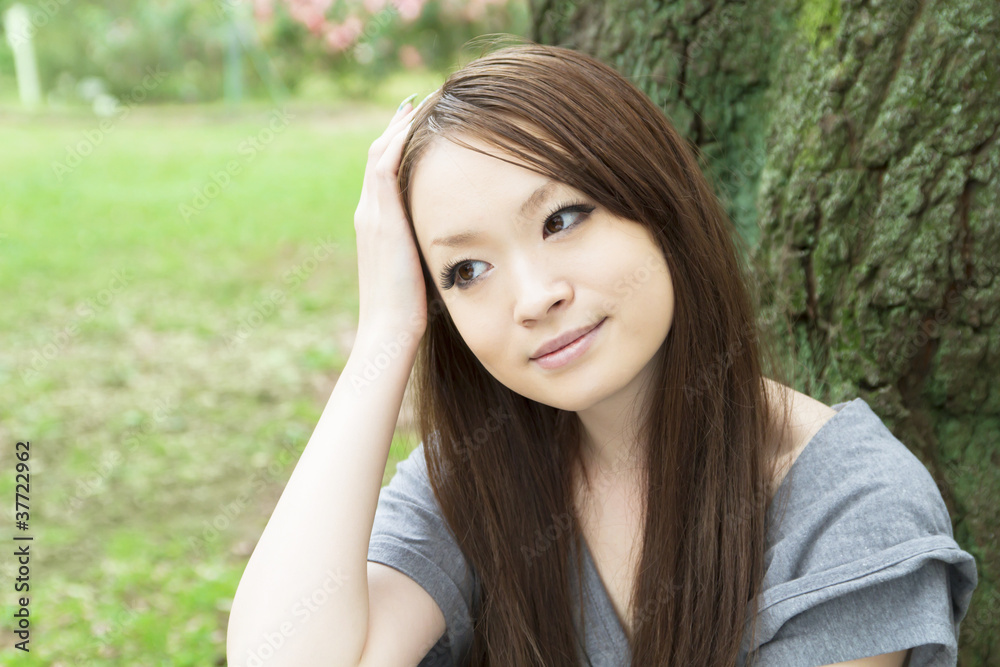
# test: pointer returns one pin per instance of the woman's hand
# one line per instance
(392, 297)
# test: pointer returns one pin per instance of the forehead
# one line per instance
(455, 189)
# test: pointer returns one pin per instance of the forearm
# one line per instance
(306, 584)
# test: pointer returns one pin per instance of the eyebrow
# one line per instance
(529, 205)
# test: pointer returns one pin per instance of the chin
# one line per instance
(574, 401)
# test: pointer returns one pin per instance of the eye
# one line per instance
(460, 268)
(579, 210)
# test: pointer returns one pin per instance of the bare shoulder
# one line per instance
(806, 417)
(810, 414)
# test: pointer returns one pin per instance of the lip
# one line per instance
(567, 347)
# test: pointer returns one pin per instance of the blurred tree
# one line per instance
(376, 37)
(860, 139)
(119, 42)
(17, 27)
(354, 44)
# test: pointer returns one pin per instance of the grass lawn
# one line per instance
(167, 365)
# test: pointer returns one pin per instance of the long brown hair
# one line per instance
(500, 464)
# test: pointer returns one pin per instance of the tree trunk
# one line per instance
(854, 144)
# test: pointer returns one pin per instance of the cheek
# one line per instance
(626, 269)
(641, 284)
(481, 334)
(655, 298)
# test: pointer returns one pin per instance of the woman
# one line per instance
(605, 474)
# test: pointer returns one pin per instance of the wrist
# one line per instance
(380, 356)
(386, 329)
(373, 339)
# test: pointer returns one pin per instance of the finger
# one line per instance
(427, 97)
(382, 173)
(380, 145)
(400, 115)
(408, 100)
(388, 164)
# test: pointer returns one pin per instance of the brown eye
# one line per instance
(577, 214)
(465, 272)
(558, 217)
(461, 273)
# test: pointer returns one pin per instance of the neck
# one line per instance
(610, 443)
(610, 456)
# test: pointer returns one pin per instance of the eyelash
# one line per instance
(448, 274)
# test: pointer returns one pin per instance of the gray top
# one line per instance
(863, 562)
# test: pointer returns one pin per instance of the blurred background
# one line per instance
(179, 285)
(179, 282)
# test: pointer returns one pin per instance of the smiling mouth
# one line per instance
(570, 351)
(580, 334)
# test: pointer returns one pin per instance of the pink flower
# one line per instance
(311, 13)
(308, 16)
(475, 9)
(341, 37)
(263, 10)
(409, 10)
(410, 57)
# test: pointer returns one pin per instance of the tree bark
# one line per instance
(855, 146)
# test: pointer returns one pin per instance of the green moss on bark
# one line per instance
(855, 145)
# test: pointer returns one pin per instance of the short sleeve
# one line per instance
(410, 534)
(863, 560)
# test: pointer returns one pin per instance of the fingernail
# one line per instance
(424, 100)
(403, 103)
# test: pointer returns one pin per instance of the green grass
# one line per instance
(147, 422)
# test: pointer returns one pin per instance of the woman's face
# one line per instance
(532, 270)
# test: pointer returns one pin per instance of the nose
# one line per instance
(537, 291)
